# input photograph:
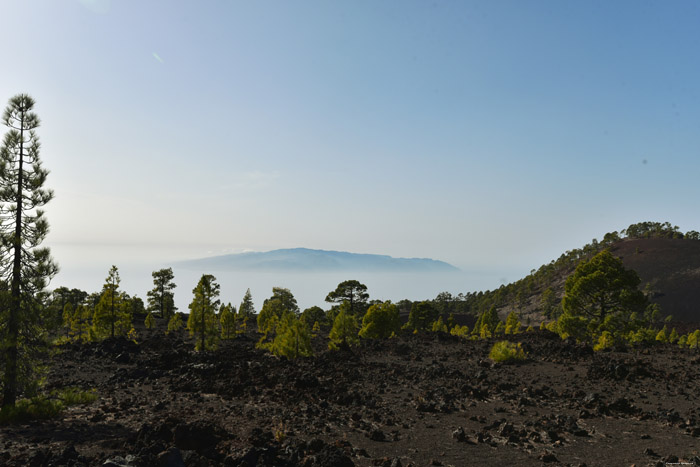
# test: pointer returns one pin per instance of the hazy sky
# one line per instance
(490, 134)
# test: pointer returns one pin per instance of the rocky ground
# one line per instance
(417, 400)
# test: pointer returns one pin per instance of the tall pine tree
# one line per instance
(160, 298)
(24, 266)
(112, 313)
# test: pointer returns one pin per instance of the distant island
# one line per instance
(308, 260)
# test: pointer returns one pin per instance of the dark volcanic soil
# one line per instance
(416, 400)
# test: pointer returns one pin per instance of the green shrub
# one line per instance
(673, 337)
(344, 331)
(39, 407)
(439, 325)
(292, 338)
(507, 352)
(380, 321)
(605, 341)
(74, 396)
(661, 336)
(150, 321)
(642, 336)
(571, 326)
(174, 324)
(460, 331)
(512, 323)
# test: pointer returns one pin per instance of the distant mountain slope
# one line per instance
(671, 267)
(304, 259)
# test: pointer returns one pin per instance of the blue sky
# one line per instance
(493, 135)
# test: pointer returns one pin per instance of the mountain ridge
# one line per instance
(310, 260)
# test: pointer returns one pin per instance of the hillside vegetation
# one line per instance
(666, 260)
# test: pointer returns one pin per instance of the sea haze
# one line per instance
(86, 266)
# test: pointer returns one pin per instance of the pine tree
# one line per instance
(150, 321)
(353, 292)
(174, 324)
(292, 339)
(112, 314)
(202, 322)
(68, 315)
(161, 298)
(439, 325)
(24, 266)
(247, 310)
(380, 321)
(344, 331)
(421, 317)
(80, 324)
(227, 320)
(512, 323)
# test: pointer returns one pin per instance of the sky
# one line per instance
(493, 135)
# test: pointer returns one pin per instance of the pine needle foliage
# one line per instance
(344, 330)
(292, 339)
(247, 309)
(380, 321)
(161, 297)
(80, 324)
(507, 352)
(227, 321)
(174, 324)
(202, 322)
(25, 267)
(112, 314)
(150, 321)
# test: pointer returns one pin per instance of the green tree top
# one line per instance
(285, 297)
(380, 321)
(421, 316)
(247, 309)
(112, 313)
(350, 291)
(344, 330)
(601, 286)
(202, 322)
(161, 297)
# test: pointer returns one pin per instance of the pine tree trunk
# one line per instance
(203, 329)
(11, 370)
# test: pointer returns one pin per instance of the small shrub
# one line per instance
(439, 325)
(673, 337)
(344, 331)
(150, 321)
(507, 352)
(174, 324)
(39, 407)
(605, 341)
(460, 331)
(74, 396)
(512, 323)
(642, 336)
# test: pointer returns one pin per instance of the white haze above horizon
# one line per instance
(309, 288)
